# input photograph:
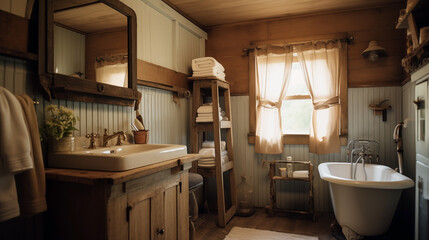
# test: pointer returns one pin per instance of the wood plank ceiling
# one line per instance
(91, 18)
(206, 13)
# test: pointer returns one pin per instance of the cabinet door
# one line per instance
(159, 215)
(143, 215)
(421, 119)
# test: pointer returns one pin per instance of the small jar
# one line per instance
(282, 172)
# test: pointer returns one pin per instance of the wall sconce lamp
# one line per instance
(374, 51)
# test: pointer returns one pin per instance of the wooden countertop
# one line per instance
(99, 177)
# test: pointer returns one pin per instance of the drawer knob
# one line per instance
(160, 231)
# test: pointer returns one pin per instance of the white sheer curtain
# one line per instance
(112, 69)
(321, 66)
(273, 68)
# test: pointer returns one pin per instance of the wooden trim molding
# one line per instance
(152, 75)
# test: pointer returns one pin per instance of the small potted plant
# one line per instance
(58, 128)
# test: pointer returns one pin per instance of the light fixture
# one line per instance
(374, 51)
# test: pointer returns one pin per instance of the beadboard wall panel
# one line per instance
(166, 120)
(362, 125)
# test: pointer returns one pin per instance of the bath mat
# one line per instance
(238, 233)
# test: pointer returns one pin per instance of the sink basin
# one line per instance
(117, 158)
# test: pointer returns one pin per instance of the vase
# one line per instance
(66, 144)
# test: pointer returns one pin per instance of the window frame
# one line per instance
(299, 139)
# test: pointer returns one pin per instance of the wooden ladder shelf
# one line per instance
(212, 88)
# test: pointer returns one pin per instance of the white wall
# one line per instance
(166, 38)
(69, 51)
(362, 125)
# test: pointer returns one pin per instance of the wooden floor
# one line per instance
(207, 229)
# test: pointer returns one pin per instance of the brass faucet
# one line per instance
(106, 137)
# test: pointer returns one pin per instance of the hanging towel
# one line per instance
(15, 153)
(205, 63)
(30, 184)
(210, 144)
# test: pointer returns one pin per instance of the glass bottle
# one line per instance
(245, 198)
(289, 166)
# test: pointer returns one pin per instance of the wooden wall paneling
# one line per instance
(18, 7)
(226, 42)
(5, 5)
(14, 33)
(160, 77)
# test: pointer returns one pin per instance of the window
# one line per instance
(297, 107)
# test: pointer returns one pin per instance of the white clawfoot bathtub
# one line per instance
(366, 207)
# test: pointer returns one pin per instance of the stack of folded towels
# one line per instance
(205, 113)
(207, 154)
(208, 67)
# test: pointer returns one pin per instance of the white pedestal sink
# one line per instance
(116, 158)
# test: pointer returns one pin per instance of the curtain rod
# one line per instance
(348, 40)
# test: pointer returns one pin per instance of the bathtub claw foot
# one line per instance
(350, 234)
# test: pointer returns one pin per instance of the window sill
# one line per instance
(295, 139)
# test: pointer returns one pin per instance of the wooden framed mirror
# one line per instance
(87, 51)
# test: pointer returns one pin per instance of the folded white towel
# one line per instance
(205, 109)
(210, 144)
(216, 76)
(204, 119)
(207, 115)
(300, 174)
(209, 72)
(210, 152)
(224, 160)
(205, 62)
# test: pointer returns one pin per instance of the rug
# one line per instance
(238, 233)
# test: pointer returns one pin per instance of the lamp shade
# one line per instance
(373, 48)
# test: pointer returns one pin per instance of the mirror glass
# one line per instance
(91, 42)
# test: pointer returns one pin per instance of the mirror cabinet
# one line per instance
(88, 51)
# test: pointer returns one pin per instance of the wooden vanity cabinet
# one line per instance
(145, 203)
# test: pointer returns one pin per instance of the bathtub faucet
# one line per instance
(361, 158)
(364, 151)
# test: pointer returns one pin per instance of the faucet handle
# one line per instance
(92, 137)
(121, 136)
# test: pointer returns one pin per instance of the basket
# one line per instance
(141, 137)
